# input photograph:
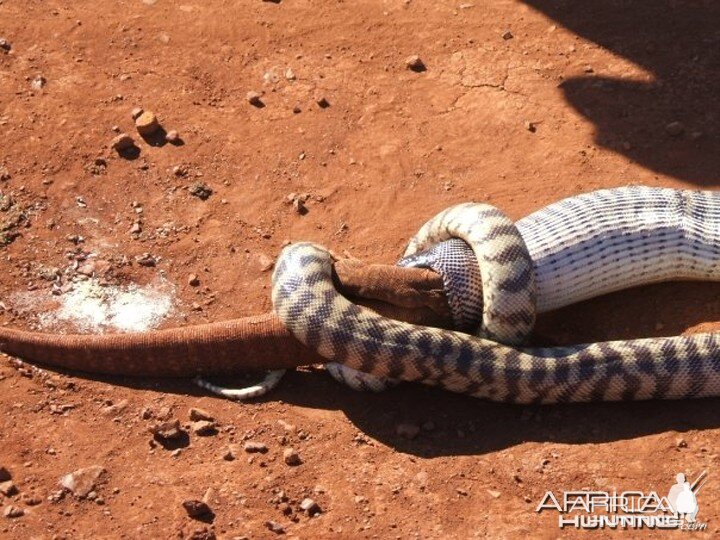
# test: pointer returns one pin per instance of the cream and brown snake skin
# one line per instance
(581, 247)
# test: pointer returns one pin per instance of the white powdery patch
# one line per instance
(90, 307)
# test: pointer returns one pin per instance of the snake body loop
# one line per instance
(506, 270)
(580, 247)
(305, 300)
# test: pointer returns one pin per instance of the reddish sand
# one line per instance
(581, 95)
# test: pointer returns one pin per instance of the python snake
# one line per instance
(572, 250)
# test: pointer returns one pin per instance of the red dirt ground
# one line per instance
(599, 80)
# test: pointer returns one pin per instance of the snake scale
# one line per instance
(580, 247)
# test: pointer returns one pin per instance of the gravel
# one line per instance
(415, 63)
(147, 123)
(291, 457)
(254, 447)
(196, 509)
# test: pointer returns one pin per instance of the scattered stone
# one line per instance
(31, 499)
(146, 259)
(147, 123)
(12, 511)
(407, 430)
(322, 102)
(136, 112)
(115, 408)
(38, 83)
(193, 281)
(290, 74)
(204, 428)
(530, 126)
(287, 426)
(415, 63)
(507, 34)
(8, 488)
(201, 190)
(122, 142)
(82, 481)
(4, 174)
(675, 129)
(681, 443)
(4, 474)
(196, 509)
(179, 170)
(254, 447)
(297, 109)
(310, 507)
(299, 206)
(291, 457)
(255, 98)
(229, 455)
(275, 527)
(196, 413)
(167, 431)
(136, 228)
(5, 45)
(494, 494)
(172, 136)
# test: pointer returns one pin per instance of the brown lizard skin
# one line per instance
(256, 343)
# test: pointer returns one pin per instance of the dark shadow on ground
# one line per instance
(678, 41)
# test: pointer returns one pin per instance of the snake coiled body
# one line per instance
(580, 247)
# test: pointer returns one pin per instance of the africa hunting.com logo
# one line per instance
(629, 509)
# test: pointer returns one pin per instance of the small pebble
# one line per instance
(195, 413)
(5, 45)
(275, 527)
(147, 123)
(291, 457)
(310, 507)
(254, 447)
(507, 34)
(136, 228)
(8, 488)
(136, 112)
(4, 474)
(167, 431)
(12, 511)
(193, 281)
(172, 136)
(299, 206)
(322, 102)
(38, 83)
(297, 109)
(204, 428)
(201, 190)
(681, 443)
(82, 482)
(254, 98)
(414, 63)
(196, 509)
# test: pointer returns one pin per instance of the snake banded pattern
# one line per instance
(580, 247)
(305, 300)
